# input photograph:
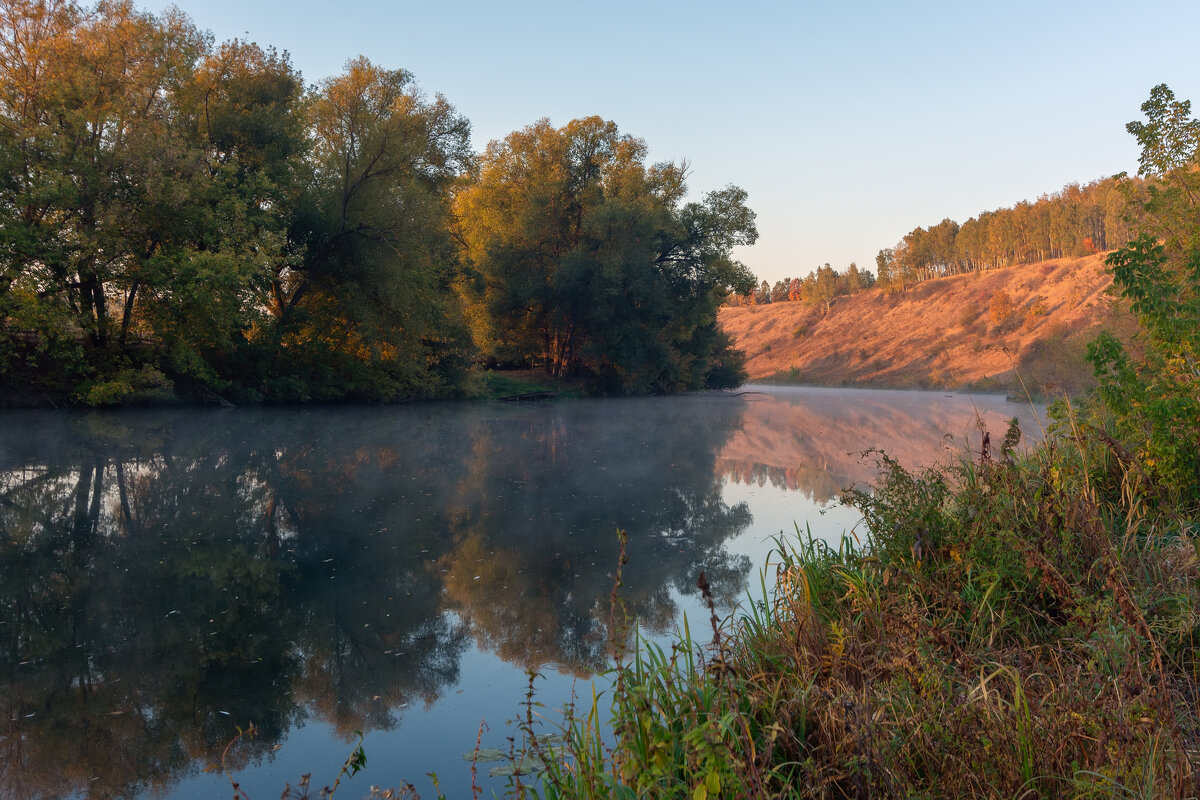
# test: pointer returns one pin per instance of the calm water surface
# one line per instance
(167, 576)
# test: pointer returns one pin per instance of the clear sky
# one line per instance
(849, 123)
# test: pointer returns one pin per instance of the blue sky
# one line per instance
(848, 123)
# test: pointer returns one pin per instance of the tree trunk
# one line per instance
(127, 315)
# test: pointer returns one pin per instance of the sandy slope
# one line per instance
(937, 334)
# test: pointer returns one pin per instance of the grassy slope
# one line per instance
(937, 334)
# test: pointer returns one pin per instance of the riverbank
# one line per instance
(1014, 625)
(147, 388)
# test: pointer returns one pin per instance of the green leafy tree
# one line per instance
(1170, 157)
(853, 280)
(824, 288)
(885, 270)
(1153, 393)
(93, 153)
(360, 298)
(177, 210)
(585, 260)
(1169, 137)
(214, 238)
(1154, 396)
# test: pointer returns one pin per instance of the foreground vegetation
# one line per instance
(1007, 628)
(1021, 624)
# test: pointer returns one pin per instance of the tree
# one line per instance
(824, 288)
(1170, 138)
(361, 296)
(941, 247)
(854, 280)
(218, 237)
(764, 293)
(170, 205)
(1170, 157)
(584, 260)
(92, 154)
(147, 192)
(1152, 394)
(885, 271)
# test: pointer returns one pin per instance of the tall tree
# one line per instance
(90, 147)
(584, 259)
(361, 296)
(1170, 141)
(824, 288)
(886, 272)
(215, 239)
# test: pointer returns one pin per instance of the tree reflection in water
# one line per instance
(165, 575)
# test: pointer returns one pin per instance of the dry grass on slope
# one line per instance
(945, 333)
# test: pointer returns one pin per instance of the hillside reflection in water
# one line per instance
(814, 440)
(167, 576)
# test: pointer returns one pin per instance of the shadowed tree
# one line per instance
(362, 300)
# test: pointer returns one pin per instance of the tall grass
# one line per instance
(1016, 626)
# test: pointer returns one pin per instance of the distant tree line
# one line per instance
(818, 288)
(184, 217)
(1077, 221)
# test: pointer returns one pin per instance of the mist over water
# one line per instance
(166, 576)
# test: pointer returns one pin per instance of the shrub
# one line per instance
(1035, 309)
(145, 386)
(1001, 307)
(1153, 397)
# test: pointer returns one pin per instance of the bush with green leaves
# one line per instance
(1152, 399)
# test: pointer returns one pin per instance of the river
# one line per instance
(168, 576)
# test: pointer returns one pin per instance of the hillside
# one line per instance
(955, 332)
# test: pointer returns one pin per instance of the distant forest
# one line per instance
(819, 288)
(181, 218)
(1077, 221)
